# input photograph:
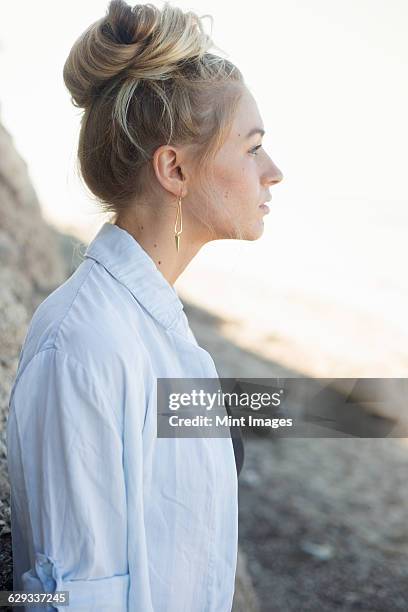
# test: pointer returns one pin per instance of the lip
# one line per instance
(264, 206)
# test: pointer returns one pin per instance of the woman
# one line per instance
(102, 507)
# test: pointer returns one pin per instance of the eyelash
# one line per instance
(255, 149)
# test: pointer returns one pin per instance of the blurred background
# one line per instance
(323, 293)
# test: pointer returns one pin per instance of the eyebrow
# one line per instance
(255, 131)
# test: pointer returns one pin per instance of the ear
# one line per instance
(167, 164)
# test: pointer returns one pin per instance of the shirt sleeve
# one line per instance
(68, 493)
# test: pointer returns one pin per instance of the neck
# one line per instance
(155, 234)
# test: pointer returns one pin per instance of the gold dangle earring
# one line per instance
(177, 232)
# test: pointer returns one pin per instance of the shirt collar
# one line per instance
(130, 264)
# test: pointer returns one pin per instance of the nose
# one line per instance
(275, 175)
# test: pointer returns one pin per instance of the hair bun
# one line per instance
(141, 42)
(125, 25)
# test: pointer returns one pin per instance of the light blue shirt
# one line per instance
(100, 506)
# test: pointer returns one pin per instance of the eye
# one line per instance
(255, 149)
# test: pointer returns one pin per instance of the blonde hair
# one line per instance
(145, 78)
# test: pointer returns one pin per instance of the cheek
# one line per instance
(240, 193)
(235, 191)
(233, 184)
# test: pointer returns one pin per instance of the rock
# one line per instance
(322, 552)
(31, 266)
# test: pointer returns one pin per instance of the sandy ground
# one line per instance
(323, 521)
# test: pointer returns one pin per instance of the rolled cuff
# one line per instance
(84, 595)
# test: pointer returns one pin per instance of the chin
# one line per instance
(254, 233)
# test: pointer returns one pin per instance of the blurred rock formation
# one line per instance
(31, 266)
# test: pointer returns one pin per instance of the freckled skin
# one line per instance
(240, 180)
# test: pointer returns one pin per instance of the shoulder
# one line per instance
(88, 318)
